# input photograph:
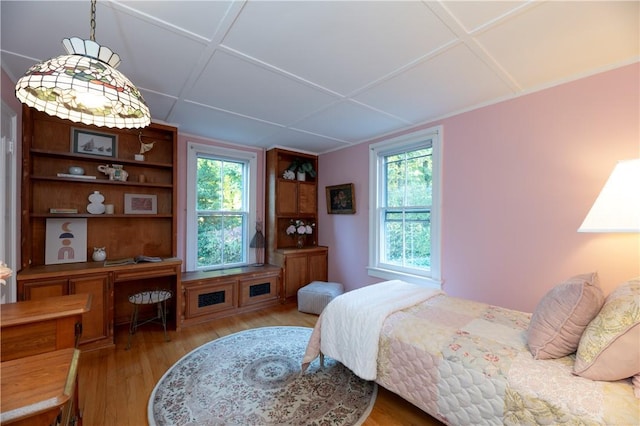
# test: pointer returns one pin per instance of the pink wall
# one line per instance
(519, 178)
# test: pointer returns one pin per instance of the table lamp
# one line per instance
(617, 208)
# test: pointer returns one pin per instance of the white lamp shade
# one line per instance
(617, 208)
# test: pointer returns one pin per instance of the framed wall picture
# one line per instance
(140, 204)
(341, 199)
(93, 143)
(65, 241)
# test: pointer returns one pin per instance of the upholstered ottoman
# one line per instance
(313, 297)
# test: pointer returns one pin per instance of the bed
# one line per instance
(465, 362)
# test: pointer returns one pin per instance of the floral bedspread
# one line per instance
(465, 362)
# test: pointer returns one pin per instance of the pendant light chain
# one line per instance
(92, 35)
(84, 86)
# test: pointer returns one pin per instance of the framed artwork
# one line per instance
(140, 204)
(341, 199)
(93, 143)
(65, 241)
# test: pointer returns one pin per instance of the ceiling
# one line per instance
(318, 75)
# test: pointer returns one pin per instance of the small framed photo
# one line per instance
(341, 199)
(140, 204)
(93, 143)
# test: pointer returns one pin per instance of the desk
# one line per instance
(35, 389)
(37, 326)
(109, 287)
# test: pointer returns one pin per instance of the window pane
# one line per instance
(220, 239)
(220, 185)
(407, 238)
(408, 178)
(419, 180)
(210, 248)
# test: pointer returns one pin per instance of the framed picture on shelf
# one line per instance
(93, 143)
(341, 199)
(65, 241)
(140, 204)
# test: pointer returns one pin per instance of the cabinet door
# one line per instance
(318, 266)
(95, 322)
(296, 274)
(286, 197)
(38, 290)
(307, 198)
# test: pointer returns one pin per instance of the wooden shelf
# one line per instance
(98, 160)
(99, 181)
(46, 152)
(286, 201)
(102, 216)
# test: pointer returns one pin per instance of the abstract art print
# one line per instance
(66, 241)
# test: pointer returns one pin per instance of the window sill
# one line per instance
(410, 278)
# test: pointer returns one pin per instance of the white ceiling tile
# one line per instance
(559, 40)
(155, 56)
(448, 82)
(220, 126)
(274, 97)
(474, 14)
(201, 18)
(341, 45)
(350, 121)
(160, 105)
(296, 140)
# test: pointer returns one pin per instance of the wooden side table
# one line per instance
(36, 326)
(38, 388)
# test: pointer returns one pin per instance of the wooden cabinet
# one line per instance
(294, 198)
(95, 323)
(50, 147)
(286, 201)
(302, 267)
(109, 287)
(48, 151)
(215, 294)
(97, 327)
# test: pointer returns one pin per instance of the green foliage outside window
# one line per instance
(407, 214)
(220, 210)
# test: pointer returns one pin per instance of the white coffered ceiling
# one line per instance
(321, 75)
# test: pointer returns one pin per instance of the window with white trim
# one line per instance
(404, 225)
(221, 189)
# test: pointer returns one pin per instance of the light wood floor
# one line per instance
(115, 384)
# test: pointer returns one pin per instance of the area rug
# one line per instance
(253, 378)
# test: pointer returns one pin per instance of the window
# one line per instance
(405, 223)
(220, 212)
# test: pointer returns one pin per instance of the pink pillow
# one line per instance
(562, 315)
(610, 346)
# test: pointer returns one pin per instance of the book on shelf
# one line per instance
(68, 175)
(63, 211)
(132, 260)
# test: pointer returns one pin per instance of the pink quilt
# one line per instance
(465, 363)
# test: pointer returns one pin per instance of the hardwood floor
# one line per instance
(115, 384)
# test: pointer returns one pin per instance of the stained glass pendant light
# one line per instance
(84, 86)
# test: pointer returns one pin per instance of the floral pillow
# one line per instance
(562, 315)
(610, 346)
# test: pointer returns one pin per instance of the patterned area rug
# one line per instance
(253, 378)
